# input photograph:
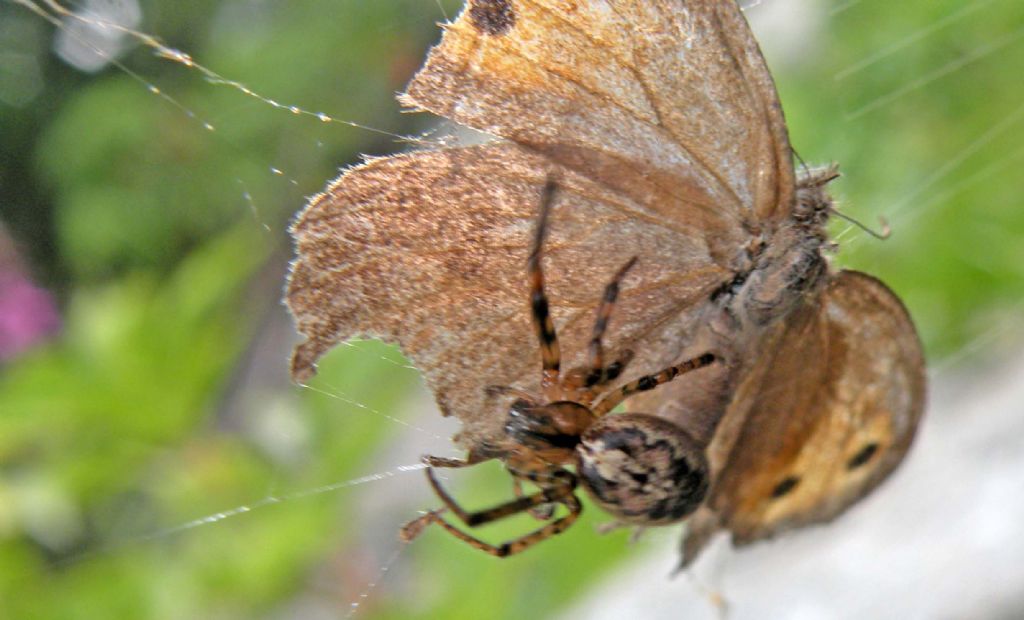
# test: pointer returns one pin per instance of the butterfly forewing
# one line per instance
(667, 101)
(429, 250)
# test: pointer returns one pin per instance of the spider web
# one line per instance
(955, 176)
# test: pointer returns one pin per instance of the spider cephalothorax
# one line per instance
(641, 469)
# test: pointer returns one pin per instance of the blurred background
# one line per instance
(156, 462)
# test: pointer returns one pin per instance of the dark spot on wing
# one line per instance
(863, 456)
(493, 17)
(785, 487)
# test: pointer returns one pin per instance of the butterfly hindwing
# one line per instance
(826, 412)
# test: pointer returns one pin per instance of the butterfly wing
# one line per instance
(664, 126)
(666, 101)
(429, 250)
(826, 413)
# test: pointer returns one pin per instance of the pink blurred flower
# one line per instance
(28, 314)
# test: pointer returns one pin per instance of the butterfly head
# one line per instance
(813, 202)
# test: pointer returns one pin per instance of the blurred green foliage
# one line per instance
(165, 242)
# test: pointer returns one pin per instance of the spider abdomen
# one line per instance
(642, 469)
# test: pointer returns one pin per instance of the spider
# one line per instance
(641, 469)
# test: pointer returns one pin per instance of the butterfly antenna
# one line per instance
(886, 230)
(803, 164)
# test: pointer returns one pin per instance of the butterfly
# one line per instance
(661, 122)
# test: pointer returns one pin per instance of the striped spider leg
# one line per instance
(641, 469)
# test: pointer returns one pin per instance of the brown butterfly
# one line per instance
(661, 122)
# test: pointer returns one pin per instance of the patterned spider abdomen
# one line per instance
(642, 469)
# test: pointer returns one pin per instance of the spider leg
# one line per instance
(542, 512)
(507, 548)
(598, 372)
(411, 530)
(649, 382)
(576, 385)
(613, 370)
(443, 461)
(521, 504)
(414, 528)
(549, 351)
(472, 458)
